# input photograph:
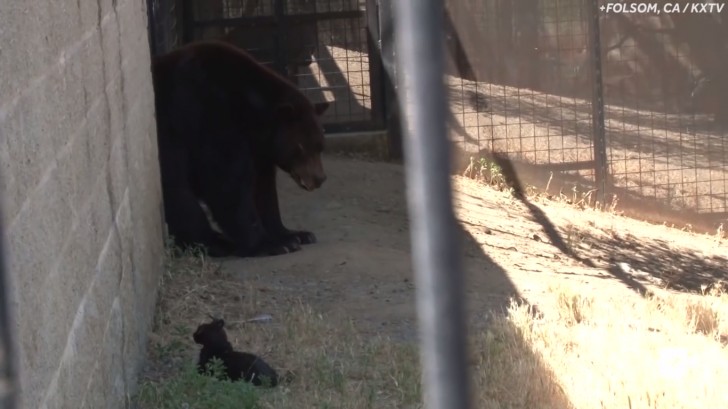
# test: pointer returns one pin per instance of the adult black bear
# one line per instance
(224, 123)
(238, 365)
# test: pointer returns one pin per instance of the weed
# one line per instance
(192, 390)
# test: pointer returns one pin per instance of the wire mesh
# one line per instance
(321, 45)
(520, 81)
(514, 77)
(164, 30)
(666, 130)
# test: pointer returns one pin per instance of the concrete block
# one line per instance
(108, 375)
(84, 347)
(37, 234)
(118, 175)
(62, 25)
(55, 312)
(75, 174)
(23, 53)
(134, 50)
(132, 293)
(29, 154)
(110, 43)
(107, 7)
(126, 233)
(100, 216)
(92, 58)
(81, 195)
(68, 118)
(9, 200)
(88, 14)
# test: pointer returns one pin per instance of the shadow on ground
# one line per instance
(360, 270)
(637, 262)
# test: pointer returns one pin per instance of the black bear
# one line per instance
(238, 365)
(224, 123)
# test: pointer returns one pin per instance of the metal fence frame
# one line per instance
(8, 370)
(595, 163)
(164, 25)
(281, 21)
(435, 241)
(661, 178)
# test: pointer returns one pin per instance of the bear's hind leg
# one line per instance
(236, 215)
(189, 226)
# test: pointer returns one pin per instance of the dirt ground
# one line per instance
(360, 269)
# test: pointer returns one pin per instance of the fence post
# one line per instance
(8, 372)
(391, 99)
(188, 19)
(434, 231)
(376, 67)
(281, 40)
(598, 128)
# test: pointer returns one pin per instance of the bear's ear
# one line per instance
(219, 323)
(320, 108)
(285, 111)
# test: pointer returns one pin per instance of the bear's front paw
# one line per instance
(217, 251)
(283, 247)
(304, 237)
(219, 246)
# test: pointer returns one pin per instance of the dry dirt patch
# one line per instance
(361, 266)
(355, 286)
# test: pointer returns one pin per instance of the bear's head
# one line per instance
(212, 335)
(300, 142)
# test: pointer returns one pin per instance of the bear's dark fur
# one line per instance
(224, 123)
(238, 365)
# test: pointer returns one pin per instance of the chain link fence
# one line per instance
(633, 104)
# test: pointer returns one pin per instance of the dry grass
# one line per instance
(579, 351)
(330, 365)
(660, 352)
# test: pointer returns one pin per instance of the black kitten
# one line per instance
(237, 365)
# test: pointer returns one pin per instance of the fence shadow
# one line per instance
(489, 290)
(345, 105)
(645, 160)
(637, 263)
(360, 216)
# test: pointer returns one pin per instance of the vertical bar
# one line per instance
(391, 99)
(600, 143)
(376, 69)
(8, 373)
(152, 26)
(188, 22)
(281, 44)
(434, 233)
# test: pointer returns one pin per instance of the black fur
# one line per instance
(224, 123)
(238, 365)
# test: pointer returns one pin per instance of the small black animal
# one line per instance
(249, 367)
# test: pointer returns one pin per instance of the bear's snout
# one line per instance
(319, 180)
(309, 175)
(309, 181)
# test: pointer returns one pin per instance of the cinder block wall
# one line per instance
(80, 196)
